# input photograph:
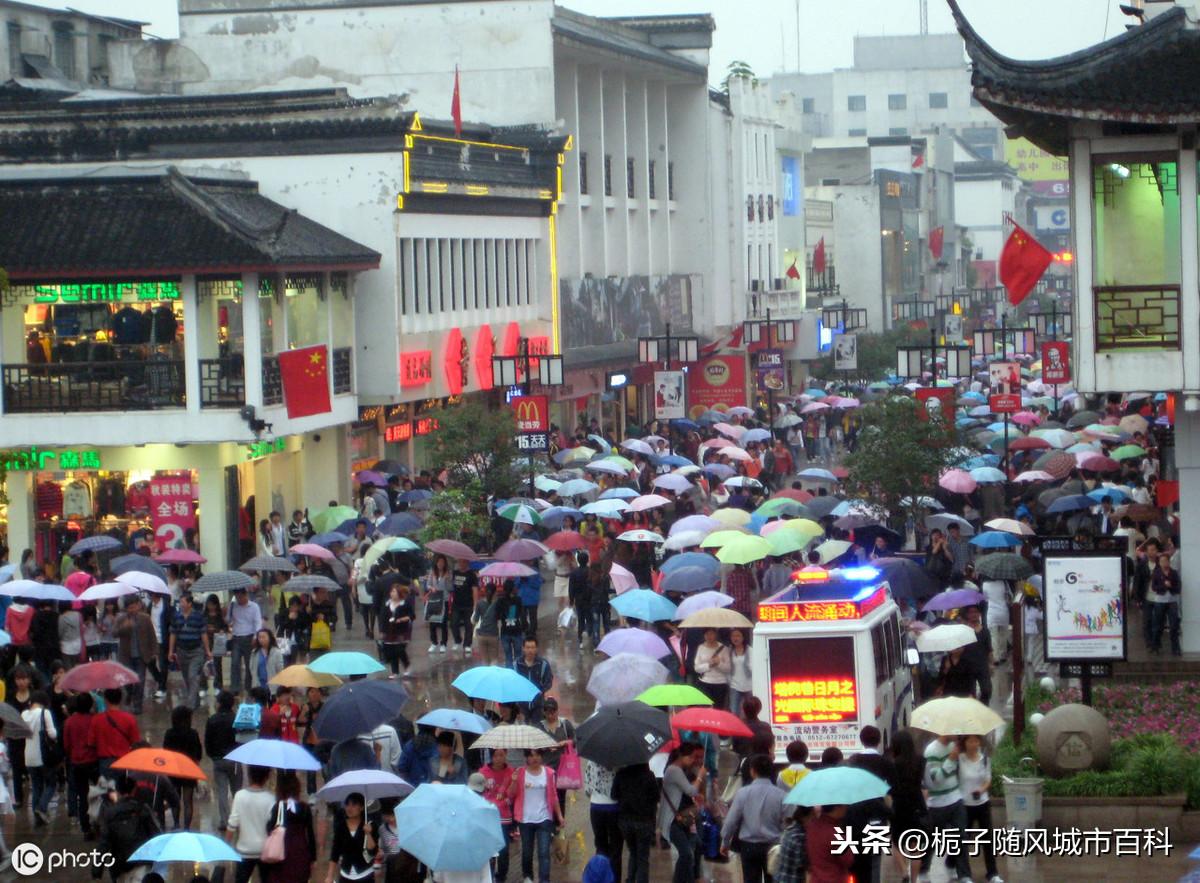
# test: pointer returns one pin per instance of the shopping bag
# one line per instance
(567, 618)
(560, 848)
(570, 769)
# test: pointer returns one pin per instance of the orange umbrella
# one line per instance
(160, 762)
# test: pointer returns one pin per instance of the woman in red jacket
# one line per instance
(81, 759)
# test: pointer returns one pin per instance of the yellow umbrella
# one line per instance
(744, 550)
(719, 538)
(732, 517)
(955, 716)
(303, 677)
(804, 526)
(716, 618)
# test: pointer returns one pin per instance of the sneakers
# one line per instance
(160, 695)
(441, 648)
(453, 647)
(923, 877)
(995, 878)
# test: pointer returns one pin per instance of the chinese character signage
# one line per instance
(791, 186)
(533, 442)
(105, 292)
(401, 432)
(426, 426)
(808, 700)
(820, 611)
(171, 509)
(416, 368)
(34, 460)
(812, 680)
(1056, 362)
(258, 449)
(532, 413)
(668, 395)
(1085, 613)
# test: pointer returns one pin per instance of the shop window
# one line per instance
(608, 174)
(16, 64)
(307, 321)
(938, 101)
(342, 306)
(267, 314)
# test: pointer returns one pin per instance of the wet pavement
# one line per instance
(430, 688)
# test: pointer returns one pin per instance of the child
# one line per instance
(289, 714)
(797, 754)
(974, 781)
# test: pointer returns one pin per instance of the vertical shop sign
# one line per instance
(171, 510)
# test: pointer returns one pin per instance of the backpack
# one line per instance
(249, 717)
(127, 830)
(320, 639)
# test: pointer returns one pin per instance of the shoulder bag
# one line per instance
(272, 848)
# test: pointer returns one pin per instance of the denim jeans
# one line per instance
(41, 780)
(191, 666)
(687, 860)
(1164, 615)
(136, 693)
(239, 665)
(224, 784)
(500, 866)
(541, 833)
(600, 621)
(949, 818)
(638, 835)
(512, 649)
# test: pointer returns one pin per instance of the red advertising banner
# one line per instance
(1056, 362)
(937, 400)
(171, 510)
(532, 413)
(717, 380)
(416, 368)
(1004, 403)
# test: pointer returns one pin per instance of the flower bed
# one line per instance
(1137, 709)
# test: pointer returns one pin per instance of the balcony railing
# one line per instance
(343, 370)
(272, 382)
(1137, 317)
(71, 387)
(222, 382)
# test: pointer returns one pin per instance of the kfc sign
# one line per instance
(1056, 362)
(532, 413)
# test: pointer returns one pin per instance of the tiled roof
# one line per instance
(160, 221)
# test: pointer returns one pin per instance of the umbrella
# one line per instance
(565, 541)
(554, 516)
(792, 493)
(143, 581)
(957, 481)
(14, 726)
(329, 539)
(954, 599)
(1003, 565)
(987, 475)
(98, 543)
(280, 755)
(831, 786)
(943, 520)
(520, 550)
(311, 550)
(1069, 503)
(1117, 495)
(744, 481)
(370, 476)
(455, 719)
(638, 641)
(855, 523)
(310, 582)
(718, 471)
(577, 487)
(623, 677)
(955, 716)
(641, 536)
(222, 581)
(345, 663)
(787, 542)
(648, 501)
(1011, 525)
(622, 579)
(674, 696)
(185, 846)
(623, 734)
(27, 588)
(780, 506)
(159, 762)
(616, 493)
(137, 564)
(821, 507)
(1033, 475)
(359, 707)
(546, 483)
(180, 556)
(400, 523)
(303, 677)
(832, 549)
(506, 570)
(816, 474)
(607, 466)
(692, 559)
(702, 601)
(1128, 452)
(906, 578)
(686, 580)
(449, 828)
(732, 517)
(325, 520)
(371, 784)
(1095, 462)
(716, 618)
(574, 455)
(643, 604)
(102, 675)
(518, 737)
(268, 564)
(672, 482)
(1058, 463)
(495, 684)
(805, 527)
(744, 549)
(605, 508)
(995, 539)
(944, 638)
(452, 549)
(711, 720)
(105, 591)
(390, 467)
(637, 446)
(520, 514)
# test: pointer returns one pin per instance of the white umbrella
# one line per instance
(641, 536)
(1011, 525)
(107, 591)
(673, 482)
(944, 638)
(943, 520)
(604, 508)
(787, 421)
(622, 579)
(637, 446)
(624, 677)
(685, 539)
(647, 501)
(606, 466)
(735, 453)
(146, 582)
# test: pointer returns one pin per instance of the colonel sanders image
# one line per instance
(1056, 362)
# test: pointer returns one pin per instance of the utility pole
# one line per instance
(924, 4)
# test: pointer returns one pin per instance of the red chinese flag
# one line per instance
(918, 161)
(937, 239)
(819, 257)
(1022, 264)
(305, 376)
(456, 106)
(792, 272)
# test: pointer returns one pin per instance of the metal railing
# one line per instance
(1137, 317)
(69, 387)
(272, 381)
(343, 370)
(222, 382)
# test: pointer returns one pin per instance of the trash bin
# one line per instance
(1023, 801)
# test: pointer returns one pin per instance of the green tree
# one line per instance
(738, 69)
(899, 456)
(458, 514)
(477, 445)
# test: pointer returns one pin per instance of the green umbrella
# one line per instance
(328, 519)
(1128, 452)
(719, 538)
(744, 549)
(519, 513)
(785, 542)
(383, 545)
(806, 527)
(778, 506)
(676, 695)
(623, 462)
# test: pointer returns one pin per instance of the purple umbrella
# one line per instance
(954, 599)
(637, 641)
(702, 523)
(672, 482)
(702, 601)
(370, 476)
(520, 550)
(506, 569)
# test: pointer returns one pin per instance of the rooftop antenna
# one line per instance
(924, 6)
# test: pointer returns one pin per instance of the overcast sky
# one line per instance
(763, 32)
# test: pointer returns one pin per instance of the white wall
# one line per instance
(859, 259)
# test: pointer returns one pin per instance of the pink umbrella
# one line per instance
(1026, 418)
(734, 432)
(183, 556)
(521, 550)
(312, 550)
(78, 581)
(506, 569)
(1032, 476)
(813, 407)
(1097, 463)
(957, 481)
(647, 501)
(622, 580)
(453, 549)
(735, 453)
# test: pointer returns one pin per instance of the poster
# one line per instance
(716, 381)
(769, 372)
(1085, 611)
(937, 400)
(952, 328)
(171, 510)
(668, 395)
(1005, 397)
(1056, 362)
(845, 352)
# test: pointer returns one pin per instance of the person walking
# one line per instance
(266, 660)
(189, 647)
(1163, 603)
(395, 628)
(352, 856)
(80, 755)
(497, 778)
(220, 739)
(682, 790)
(113, 731)
(183, 738)
(438, 583)
(247, 827)
(637, 794)
(487, 628)
(908, 798)
(944, 800)
(464, 592)
(299, 841)
(827, 863)
(512, 625)
(975, 781)
(537, 671)
(218, 639)
(41, 755)
(755, 818)
(562, 730)
(245, 620)
(793, 849)
(740, 670)
(713, 666)
(536, 810)
(137, 647)
(603, 813)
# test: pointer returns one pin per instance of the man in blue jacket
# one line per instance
(536, 670)
(529, 589)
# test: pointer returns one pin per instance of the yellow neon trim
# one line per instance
(400, 202)
(408, 142)
(477, 190)
(435, 186)
(404, 160)
(570, 145)
(554, 282)
(490, 144)
(416, 124)
(558, 183)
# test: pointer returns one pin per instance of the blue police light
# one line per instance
(859, 574)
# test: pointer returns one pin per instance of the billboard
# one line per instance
(1047, 174)
(1085, 610)
(171, 510)
(532, 413)
(1056, 362)
(717, 380)
(597, 311)
(791, 186)
(770, 375)
(668, 395)
(845, 352)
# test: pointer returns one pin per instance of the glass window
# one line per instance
(897, 131)
(858, 133)
(897, 102)
(808, 105)
(879, 649)
(266, 314)
(307, 321)
(341, 304)
(856, 102)
(583, 174)
(938, 101)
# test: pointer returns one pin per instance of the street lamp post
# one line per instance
(517, 370)
(666, 349)
(848, 319)
(780, 331)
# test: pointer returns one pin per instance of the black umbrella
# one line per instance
(98, 543)
(359, 707)
(907, 578)
(268, 564)
(621, 735)
(14, 725)
(390, 467)
(1083, 418)
(857, 522)
(1003, 565)
(222, 581)
(820, 507)
(141, 563)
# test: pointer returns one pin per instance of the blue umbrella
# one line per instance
(277, 754)
(5, 638)
(601, 443)
(576, 486)
(185, 846)
(980, 411)
(756, 435)
(1072, 503)
(674, 460)
(399, 523)
(686, 580)
(345, 663)
(449, 828)
(7, 572)
(817, 474)
(98, 543)
(684, 424)
(496, 684)
(995, 539)
(987, 474)
(974, 396)
(836, 785)
(1108, 493)
(328, 539)
(347, 526)
(553, 517)
(358, 707)
(617, 493)
(719, 471)
(455, 719)
(710, 417)
(692, 559)
(643, 604)
(415, 495)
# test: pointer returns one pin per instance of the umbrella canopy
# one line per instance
(786, 542)
(641, 536)
(577, 487)
(27, 588)
(692, 559)
(610, 467)
(303, 677)
(954, 599)
(310, 582)
(1060, 464)
(555, 516)
(455, 719)
(955, 716)
(832, 549)
(222, 581)
(399, 523)
(495, 684)
(180, 556)
(637, 446)
(623, 734)
(325, 520)
(836, 785)
(1128, 452)
(716, 618)
(943, 520)
(957, 481)
(102, 675)
(14, 726)
(702, 523)
(944, 638)
(711, 720)
(686, 580)
(1033, 475)
(643, 604)
(449, 827)
(987, 475)
(906, 578)
(565, 541)
(623, 677)
(371, 784)
(185, 846)
(280, 755)
(638, 641)
(515, 737)
(674, 696)
(732, 517)
(359, 707)
(137, 564)
(805, 527)
(622, 579)
(1011, 525)
(520, 514)
(610, 508)
(142, 581)
(672, 482)
(452, 549)
(98, 543)
(311, 550)
(345, 663)
(269, 564)
(159, 762)
(1003, 565)
(506, 570)
(1069, 503)
(331, 538)
(744, 550)
(1115, 494)
(105, 591)
(648, 501)
(777, 507)
(814, 473)
(702, 601)
(995, 539)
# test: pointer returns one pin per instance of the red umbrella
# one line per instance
(103, 675)
(1029, 443)
(711, 720)
(565, 541)
(794, 494)
(520, 550)
(1099, 463)
(1060, 464)
(180, 556)
(452, 549)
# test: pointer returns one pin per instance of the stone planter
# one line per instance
(1108, 813)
